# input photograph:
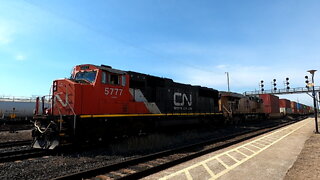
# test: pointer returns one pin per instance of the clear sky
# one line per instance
(189, 41)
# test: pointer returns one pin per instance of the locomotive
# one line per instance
(99, 102)
(237, 107)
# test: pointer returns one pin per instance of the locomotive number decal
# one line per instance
(113, 91)
(182, 101)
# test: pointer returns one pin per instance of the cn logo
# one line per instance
(180, 99)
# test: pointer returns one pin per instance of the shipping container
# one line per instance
(284, 103)
(270, 103)
(294, 107)
(285, 106)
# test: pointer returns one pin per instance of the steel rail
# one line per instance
(15, 143)
(21, 155)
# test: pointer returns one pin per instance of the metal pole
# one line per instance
(228, 81)
(315, 105)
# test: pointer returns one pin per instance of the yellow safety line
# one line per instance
(223, 164)
(247, 157)
(189, 177)
(248, 149)
(233, 158)
(256, 146)
(264, 143)
(267, 140)
(138, 115)
(208, 169)
(239, 151)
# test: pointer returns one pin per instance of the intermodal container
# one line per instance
(308, 109)
(270, 103)
(285, 106)
(299, 108)
(294, 107)
(284, 103)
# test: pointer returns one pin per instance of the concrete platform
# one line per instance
(268, 156)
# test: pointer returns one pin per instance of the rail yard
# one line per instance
(159, 90)
(105, 123)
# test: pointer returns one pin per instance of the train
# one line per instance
(99, 102)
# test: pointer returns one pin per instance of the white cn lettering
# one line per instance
(183, 98)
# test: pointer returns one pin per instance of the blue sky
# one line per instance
(192, 42)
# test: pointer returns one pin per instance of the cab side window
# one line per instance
(123, 80)
(104, 77)
(114, 79)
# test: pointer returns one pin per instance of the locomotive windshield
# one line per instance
(89, 76)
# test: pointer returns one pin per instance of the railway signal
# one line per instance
(287, 83)
(261, 85)
(274, 84)
(307, 82)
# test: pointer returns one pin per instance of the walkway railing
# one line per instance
(298, 90)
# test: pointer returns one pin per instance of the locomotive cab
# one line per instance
(90, 91)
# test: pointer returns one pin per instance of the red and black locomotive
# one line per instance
(99, 102)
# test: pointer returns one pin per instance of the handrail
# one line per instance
(297, 90)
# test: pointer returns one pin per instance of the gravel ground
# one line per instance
(15, 126)
(22, 135)
(54, 166)
(307, 165)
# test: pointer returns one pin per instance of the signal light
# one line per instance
(287, 83)
(307, 81)
(275, 88)
(261, 85)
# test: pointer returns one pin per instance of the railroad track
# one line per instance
(150, 164)
(22, 154)
(15, 143)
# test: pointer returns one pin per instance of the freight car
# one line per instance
(99, 102)
(16, 109)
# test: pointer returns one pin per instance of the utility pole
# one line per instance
(228, 81)
(314, 101)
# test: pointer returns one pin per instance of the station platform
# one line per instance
(268, 156)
